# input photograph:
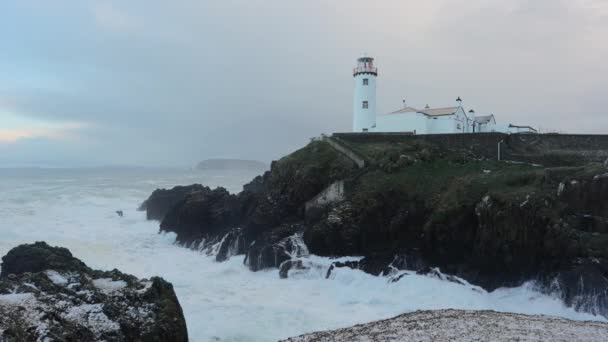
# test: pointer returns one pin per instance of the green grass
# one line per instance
(443, 180)
(446, 183)
(313, 153)
(376, 153)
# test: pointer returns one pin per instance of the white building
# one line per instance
(416, 121)
(484, 123)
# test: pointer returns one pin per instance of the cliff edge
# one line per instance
(416, 205)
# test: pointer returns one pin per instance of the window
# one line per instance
(365, 81)
(365, 130)
(365, 104)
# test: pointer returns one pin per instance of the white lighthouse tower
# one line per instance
(364, 110)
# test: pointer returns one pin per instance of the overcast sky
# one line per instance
(144, 82)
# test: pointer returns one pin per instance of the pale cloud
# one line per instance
(64, 132)
(16, 127)
(112, 18)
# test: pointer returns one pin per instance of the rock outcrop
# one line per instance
(264, 219)
(416, 207)
(459, 325)
(48, 295)
(162, 200)
(202, 214)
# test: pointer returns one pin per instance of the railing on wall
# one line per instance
(365, 70)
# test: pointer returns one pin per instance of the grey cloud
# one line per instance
(176, 82)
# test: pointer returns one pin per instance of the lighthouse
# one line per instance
(364, 108)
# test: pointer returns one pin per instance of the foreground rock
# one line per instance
(458, 325)
(48, 295)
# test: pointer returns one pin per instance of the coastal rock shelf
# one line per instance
(48, 295)
(417, 205)
(458, 325)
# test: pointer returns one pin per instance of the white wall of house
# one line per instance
(488, 128)
(461, 124)
(402, 122)
(454, 123)
(482, 128)
(441, 124)
(423, 124)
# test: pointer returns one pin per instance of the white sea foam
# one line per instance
(221, 301)
(57, 278)
(109, 286)
(94, 317)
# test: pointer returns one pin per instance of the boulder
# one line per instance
(341, 264)
(377, 264)
(39, 257)
(582, 284)
(47, 294)
(275, 247)
(233, 243)
(291, 265)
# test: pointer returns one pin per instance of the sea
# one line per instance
(222, 301)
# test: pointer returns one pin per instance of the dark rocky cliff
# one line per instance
(416, 205)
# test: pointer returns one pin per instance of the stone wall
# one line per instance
(579, 147)
(484, 144)
(350, 154)
(544, 149)
(331, 194)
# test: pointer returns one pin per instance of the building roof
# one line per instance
(405, 110)
(428, 111)
(439, 111)
(484, 119)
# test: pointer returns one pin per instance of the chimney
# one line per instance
(458, 102)
(427, 106)
(404, 105)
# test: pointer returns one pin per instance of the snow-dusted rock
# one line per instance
(51, 296)
(459, 325)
